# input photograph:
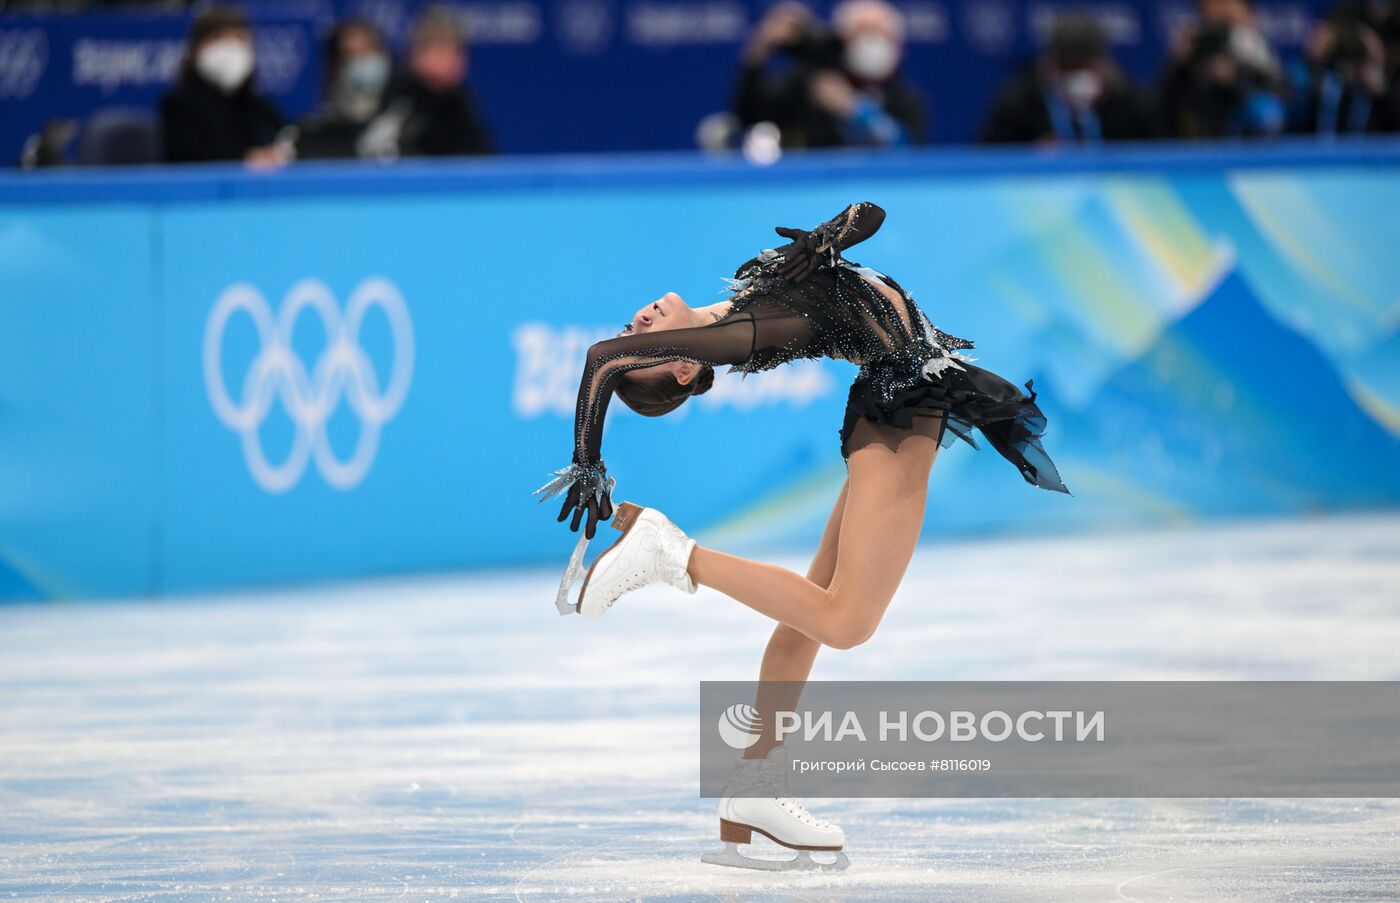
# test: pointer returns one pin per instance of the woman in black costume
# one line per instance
(914, 392)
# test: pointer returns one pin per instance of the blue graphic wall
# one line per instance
(216, 379)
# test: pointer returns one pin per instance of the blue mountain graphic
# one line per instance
(14, 586)
(1230, 411)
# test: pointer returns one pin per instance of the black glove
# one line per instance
(800, 257)
(597, 509)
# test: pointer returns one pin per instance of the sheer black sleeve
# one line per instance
(726, 342)
(729, 341)
(850, 227)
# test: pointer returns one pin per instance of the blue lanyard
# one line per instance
(1063, 119)
(1329, 101)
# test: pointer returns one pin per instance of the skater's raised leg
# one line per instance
(880, 524)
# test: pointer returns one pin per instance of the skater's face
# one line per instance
(666, 312)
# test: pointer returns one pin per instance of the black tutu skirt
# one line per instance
(953, 403)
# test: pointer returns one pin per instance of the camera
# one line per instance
(816, 46)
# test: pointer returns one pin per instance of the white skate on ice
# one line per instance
(780, 817)
(650, 550)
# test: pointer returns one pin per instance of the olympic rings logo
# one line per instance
(24, 58)
(278, 374)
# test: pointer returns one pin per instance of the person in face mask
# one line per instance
(1073, 93)
(826, 88)
(865, 94)
(357, 73)
(214, 112)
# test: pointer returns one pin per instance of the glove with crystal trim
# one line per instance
(588, 491)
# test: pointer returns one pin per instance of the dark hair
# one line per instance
(1349, 43)
(210, 21)
(1077, 40)
(334, 55)
(652, 396)
(437, 22)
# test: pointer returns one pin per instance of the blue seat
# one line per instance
(116, 136)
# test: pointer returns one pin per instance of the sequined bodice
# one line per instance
(848, 318)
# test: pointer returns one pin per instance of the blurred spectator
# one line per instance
(1223, 79)
(357, 71)
(1385, 19)
(213, 112)
(837, 87)
(1073, 94)
(1342, 87)
(437, 111)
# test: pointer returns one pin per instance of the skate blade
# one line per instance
(803, 862)
(574, 569)
(622, 520)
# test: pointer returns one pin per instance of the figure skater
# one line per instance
(915, 390)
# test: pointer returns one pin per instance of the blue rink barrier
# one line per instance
(210, 378)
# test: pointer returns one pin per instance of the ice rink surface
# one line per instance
(447, 737)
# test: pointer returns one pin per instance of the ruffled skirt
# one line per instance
(957, 401)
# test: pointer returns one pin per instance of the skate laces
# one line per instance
(661, 542)
(634, 581)
(797, 809)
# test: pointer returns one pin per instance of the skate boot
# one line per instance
(650, 550)
(780, 817)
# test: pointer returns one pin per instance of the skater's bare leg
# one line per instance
(787, 661)
(884, 511)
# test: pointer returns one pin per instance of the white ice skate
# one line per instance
(650, 550)
(780, 817)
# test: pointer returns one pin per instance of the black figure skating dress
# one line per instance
(805, 300)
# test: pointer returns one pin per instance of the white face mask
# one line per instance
(361, 85)
(366, 74)
(1250, 47)
(872, 57)
(226, 63)
(1082, 87)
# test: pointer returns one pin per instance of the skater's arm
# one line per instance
(823, 245)
(851, 226)
(727, 342)
(586, 480)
